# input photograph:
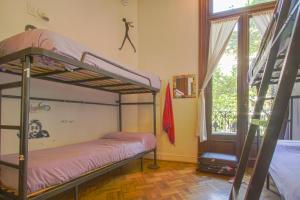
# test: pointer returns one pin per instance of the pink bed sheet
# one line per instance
(50, 167)
(57, 43)
(147, 139)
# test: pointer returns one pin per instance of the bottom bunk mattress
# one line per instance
(284, 169)
(51, 167)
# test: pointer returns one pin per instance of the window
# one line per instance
(224, 90)
(255, 38)
(229, 99)
(225, 5)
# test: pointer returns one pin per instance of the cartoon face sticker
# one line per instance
(36, 130)
(35, 127)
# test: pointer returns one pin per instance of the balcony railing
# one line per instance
(224, 122)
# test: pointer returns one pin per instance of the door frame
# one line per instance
(227, 143)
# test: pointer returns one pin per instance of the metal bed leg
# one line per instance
(291, 119)
(268, 186)
(76, 193)
(0, 119)
(24, 127)
(142, 164)
(268, 182)
(154, 165)
(120, 112)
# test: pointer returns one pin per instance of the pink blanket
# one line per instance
(62, 45)
(50, 167)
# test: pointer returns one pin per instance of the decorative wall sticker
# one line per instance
(36, 12)
(29, 27)
(40, 107)
(124, 2)
(67, 121)
(36, 130)
(128, 25)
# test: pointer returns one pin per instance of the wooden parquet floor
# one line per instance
(173, 181)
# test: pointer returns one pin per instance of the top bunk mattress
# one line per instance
(284, 168)
(51, 41)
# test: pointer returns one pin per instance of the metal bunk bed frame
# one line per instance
(26, 58)
(281, 102)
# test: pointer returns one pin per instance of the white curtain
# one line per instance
(220, 33)
(262, 20)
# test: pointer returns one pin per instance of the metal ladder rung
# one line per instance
(8, 164)
(10, 127)
(10, 85)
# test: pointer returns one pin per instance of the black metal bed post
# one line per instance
(76, 196)
(281, 102)
(24, 127)
(263, 88)
(291, 119)
(120, 112)
(154, 165)
(0, 121)
(268, 182)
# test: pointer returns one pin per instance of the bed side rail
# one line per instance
(85, 54)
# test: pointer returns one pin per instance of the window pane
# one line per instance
(224, 90)
(223, 5)
(255, 38)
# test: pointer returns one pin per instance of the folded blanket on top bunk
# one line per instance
(50, 167)
(284, 169)
(57, 43)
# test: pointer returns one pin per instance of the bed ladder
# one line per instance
(280, 104)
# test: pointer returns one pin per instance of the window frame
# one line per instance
(250, 8)
(245, 13)
(210, 99)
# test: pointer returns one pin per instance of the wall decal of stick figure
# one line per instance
(128, 25)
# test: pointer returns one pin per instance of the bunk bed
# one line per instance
(256, 69)
(284, 169)
(277, 64)
(46, 55)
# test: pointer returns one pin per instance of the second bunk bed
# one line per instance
(277, 64)
(42, 174)
(284, 165)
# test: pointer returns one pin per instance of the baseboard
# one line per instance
(173, 157)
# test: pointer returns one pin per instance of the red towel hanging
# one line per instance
(168, 118)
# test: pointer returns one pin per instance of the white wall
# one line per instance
(168, 46)
(66, 123)
(95, 24)
(166, 37)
